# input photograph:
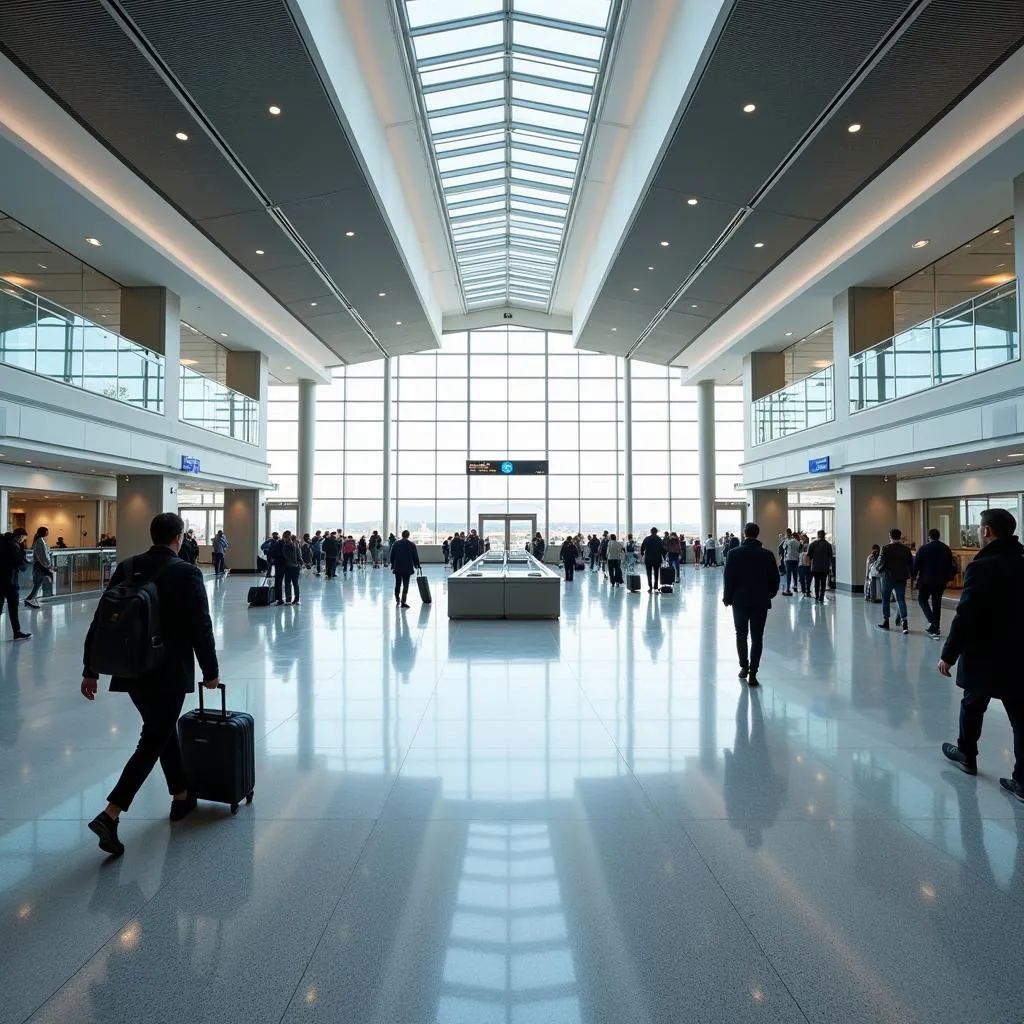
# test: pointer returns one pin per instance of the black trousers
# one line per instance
(10, 594)
(347, 560)
(820, 585)
(749, 621)
(929, 597)
(570, 568)
(456, 563)
(972, 714)
(402, 586)
(291, 583)
(332, 567)
(614, 570)
(160, 711)
(653, 574)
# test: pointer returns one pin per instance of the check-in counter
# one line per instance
(504, 585)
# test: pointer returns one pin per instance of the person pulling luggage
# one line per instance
(405, 560)
(154, 587)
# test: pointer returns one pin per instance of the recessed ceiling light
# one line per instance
(650, 268)
(1004, 243)
(42, 266)
(995, 231)
(789, 334)
(28, 462)
(693, 305)
(664, 245)
(750, 108)
(636, 289)
(380, 295)
(853, 129)
(223, 334)
(287, 367)
(398, 323)
(260, 252)
(350, 234)
(1016, 455)
(921, 243)
(999, 460)
(274, 109)
(312, 303)
(691, 202)
(927, 467)
(614, 329)
(93, 241)
(966, 463)
(759, 245)
(181, 136)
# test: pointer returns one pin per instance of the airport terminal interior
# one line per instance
(507, 278)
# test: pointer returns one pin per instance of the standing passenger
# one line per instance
(458, 551)
(614, 562)
(12, 560)
(331, 549)
(220, 545)
(568, 554)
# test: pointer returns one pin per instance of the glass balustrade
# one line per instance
(972, 336)
(39, 336)
(75, 571)
(806, 403)
(213, 406)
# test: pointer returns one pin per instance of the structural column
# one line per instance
(769, 508)
(151, 317)
(706, 454)
(386, 452)
(628, 460)
(139, 499)
(865, 513)
(247, 373)
(307, 455)
(242, 527)
(5, 514)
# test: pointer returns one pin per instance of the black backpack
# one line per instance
(126, 640)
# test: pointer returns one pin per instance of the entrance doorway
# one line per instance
(507, 532)
(729, 519)
(281, 517)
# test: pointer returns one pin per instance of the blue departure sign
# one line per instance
(189, 464)
(819, 465)
(507, 467)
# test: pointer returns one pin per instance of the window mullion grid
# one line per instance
(507, 10)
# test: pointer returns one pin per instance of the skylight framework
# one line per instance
(508, 97)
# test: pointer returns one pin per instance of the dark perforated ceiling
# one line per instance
(776, 174)
(136, 72)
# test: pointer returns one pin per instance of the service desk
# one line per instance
(505, 585)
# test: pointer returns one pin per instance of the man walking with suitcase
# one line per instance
(652, 551)
(156, 681)
(405, 560)
(751, 581)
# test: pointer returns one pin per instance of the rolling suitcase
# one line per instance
(633, 583)
(259, 597)
(218, 751)
(665, 588)
(424, 587)
(667, 576)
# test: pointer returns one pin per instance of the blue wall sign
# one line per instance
(189, 464)
(818, 465)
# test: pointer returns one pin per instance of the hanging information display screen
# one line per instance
(507, 467)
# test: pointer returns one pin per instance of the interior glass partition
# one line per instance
(213, 406)
(807, 403)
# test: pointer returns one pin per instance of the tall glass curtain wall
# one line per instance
(496, 394)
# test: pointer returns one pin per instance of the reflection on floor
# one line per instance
(586, 820)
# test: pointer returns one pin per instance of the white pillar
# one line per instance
(386, 505)
(307, 455)
(4, 511)
(865, 513)
(628, 461)
(706, 454)
(139, 499)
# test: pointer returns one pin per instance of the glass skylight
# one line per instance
(507, 96)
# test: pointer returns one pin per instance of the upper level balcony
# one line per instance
(972, 336)
(805, 403)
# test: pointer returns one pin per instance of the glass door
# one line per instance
(507, 532)
(281, 518)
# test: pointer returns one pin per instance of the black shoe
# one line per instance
(404, 605)
(752, 679)
(104, 826)
(181, 808)
(744, 672)
(906, 627)
(1014, 788)
(279, 602)
(968, 765)
(21, 636)
(884, 624)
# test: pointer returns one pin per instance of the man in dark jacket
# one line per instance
(652, 551)
(820, 554)
(405, 560)
(984, 638)
(458, 551)
(933, 568)
(539, 547)
(894, 566)
(187, 635)
(331, 548)
(12, 560)
(751, 581)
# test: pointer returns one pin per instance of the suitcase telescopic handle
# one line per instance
(223, 700)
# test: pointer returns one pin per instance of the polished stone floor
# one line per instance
(527, 823)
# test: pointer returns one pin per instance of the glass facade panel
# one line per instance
(580, 431)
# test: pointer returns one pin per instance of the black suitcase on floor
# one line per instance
(665, 588)
(667, 576)
(259, 597)
(218, 751)
(633, 583)
(424, 587)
